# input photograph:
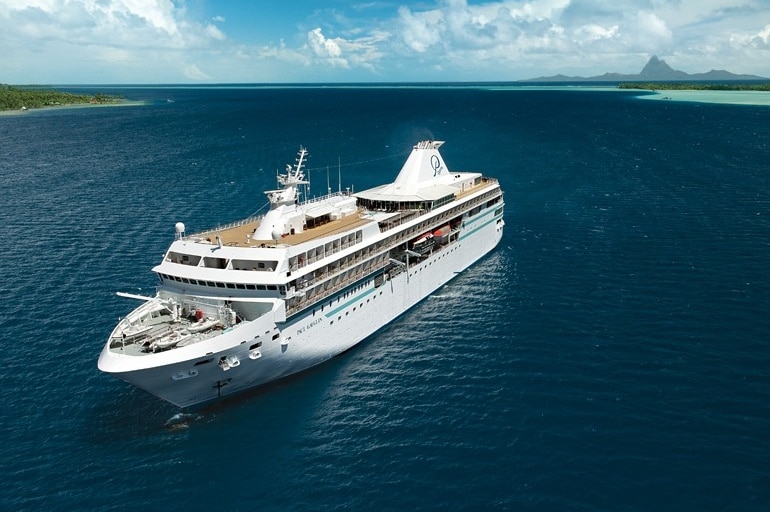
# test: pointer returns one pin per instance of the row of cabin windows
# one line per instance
(271, 265)
(221, 263)
(331, 247)
(489, 204)
(393, 240)
(434, 221)
(319, 252)
(395, 206)
(217, 284)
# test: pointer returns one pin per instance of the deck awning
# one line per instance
(394, 194)
(319, 211)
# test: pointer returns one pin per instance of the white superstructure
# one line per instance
(267, 297)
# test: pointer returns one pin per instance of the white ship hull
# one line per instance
(271, 346)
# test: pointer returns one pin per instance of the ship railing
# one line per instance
(318, 257)
(342, 265)
(318, 295)
(225, 227)
(396, 270)
(389, 224)
(318, 199)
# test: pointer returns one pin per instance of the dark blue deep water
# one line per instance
(613, 354)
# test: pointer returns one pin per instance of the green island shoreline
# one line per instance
(17, 100)
(20, 99)
(690, 86)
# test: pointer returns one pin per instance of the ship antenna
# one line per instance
(339, 174)
(328, 186)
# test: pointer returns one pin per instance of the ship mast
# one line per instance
(290, 182)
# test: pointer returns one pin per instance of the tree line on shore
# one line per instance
(19, 98)
(690, 86)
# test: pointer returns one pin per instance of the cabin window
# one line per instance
(212, 262)
(230, 285)
(183, 259)
(255, 265)
(220, 285)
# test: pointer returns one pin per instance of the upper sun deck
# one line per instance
(240, 234)
(423, 185)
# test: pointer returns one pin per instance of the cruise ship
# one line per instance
(266, 297)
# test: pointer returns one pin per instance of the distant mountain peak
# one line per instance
(655, 70)
(655, 62)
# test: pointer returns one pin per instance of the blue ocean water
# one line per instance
(612, 354)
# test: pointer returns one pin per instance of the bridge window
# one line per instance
(183, 259)
(212, 262)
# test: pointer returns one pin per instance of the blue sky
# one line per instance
(278, 41)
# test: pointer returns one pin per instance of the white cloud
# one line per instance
(596, 32)
(193, 72)
(420, 31)
(345, 53)
(109, 40)
(129, 40)
(280, 53)
(326, 49)
(762, 38)
(214, 33)
(645, 31)
(131, 23)
(560, 35)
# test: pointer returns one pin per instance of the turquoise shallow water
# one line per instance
(611, 354)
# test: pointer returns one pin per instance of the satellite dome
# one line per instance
(276, 234)
(179, 227)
